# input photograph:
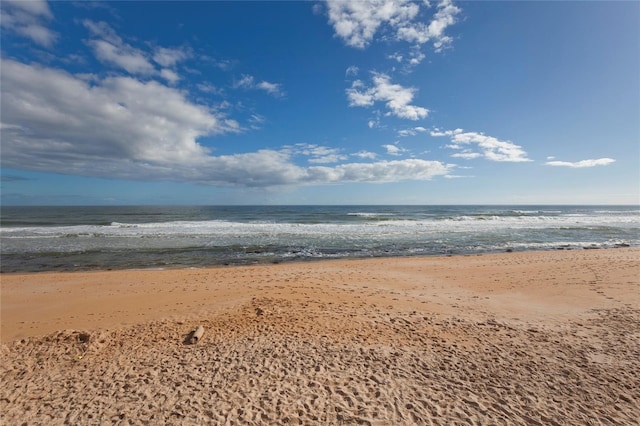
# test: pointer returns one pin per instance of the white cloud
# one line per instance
(109, 48)
(357, 98)
(249, 82)
(487, 147)
(120, 127)
(169, 75)
(581, 164)
(64, 119)
(245, 82)
(271, 88)
(408, 59)
(27, 18)
(467, 155)
(416, 57)
(382, 171)
(396, 57)
(223, 64)
(256, 121)
(124, 56)
(411, 132)
(352, 71)
(397, 98)
(394, 149)
(209, 88)
(365, 155)
(445, 17)
(357, 22)
(32, 7)
(319, 154)
(327, 159)
(255, 169)
(101, 29)
(168, 57)
(420, 33)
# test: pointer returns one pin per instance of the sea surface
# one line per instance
(129, 237)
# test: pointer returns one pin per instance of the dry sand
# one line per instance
(537, 338)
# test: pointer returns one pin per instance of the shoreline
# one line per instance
(537, 337)
(312, 260)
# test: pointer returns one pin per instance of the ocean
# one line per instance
(131, 237)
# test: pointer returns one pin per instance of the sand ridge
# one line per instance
(518, 338)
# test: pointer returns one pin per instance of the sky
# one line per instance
(313, 102)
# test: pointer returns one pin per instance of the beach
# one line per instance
(547, 337)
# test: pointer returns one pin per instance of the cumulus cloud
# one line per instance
(358, 22)
(394, 149)
(420, 33)
(28, 19)
(120, 127)
(53, 114)
(583, 163)
(478, 145)
(396, 98)
(416, 57)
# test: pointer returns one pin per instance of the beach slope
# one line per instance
(514, 338)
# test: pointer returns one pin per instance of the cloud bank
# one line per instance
(120, 127)
(582, 164)
(55, 112)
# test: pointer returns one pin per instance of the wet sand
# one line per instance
(514, 338)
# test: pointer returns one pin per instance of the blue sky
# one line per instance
(339, 102)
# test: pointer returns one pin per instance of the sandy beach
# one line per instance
(537, 338)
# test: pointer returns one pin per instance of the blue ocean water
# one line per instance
(84, 238)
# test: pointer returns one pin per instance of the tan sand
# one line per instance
(537, 338)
